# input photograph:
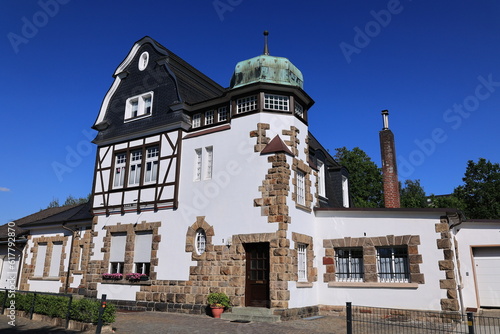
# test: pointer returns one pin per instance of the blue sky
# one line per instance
(433, 64)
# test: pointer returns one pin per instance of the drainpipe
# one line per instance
(457, 269)
(70, 256)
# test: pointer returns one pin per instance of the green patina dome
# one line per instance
(269, 69)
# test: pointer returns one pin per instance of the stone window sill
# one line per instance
(303, 207)
(304, 285)
(372, 285)
(38, 278)
(126, 282)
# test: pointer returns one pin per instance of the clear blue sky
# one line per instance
(433, 64)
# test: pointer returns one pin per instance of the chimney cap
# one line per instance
(385, 119)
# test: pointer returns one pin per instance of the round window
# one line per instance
(143, 61)
(200, 241)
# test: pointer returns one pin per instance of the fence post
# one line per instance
(101, 311)
(348, 315)
(32, 306)
(470, 322)
(68, 313)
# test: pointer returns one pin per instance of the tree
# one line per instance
(480, 192)
(446, 201)
(412, 195)
(70, 200)
(365, 178)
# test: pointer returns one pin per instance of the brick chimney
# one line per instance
(389, 167)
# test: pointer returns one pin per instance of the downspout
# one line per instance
(70, 256)
(457, 269)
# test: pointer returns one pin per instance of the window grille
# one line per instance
(196, 121)
(301, 188)
(393, 264)
(276, 102)
(302, 262)
(246, 104)
(299, 110)
(349, 264)
(209, 117)
(222, 112)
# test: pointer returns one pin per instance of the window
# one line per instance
(135, 168)
(142, 252)
(345, 192)
(301, 188)
(80, 258)
(139, 106)
(151, 172)
(392, 263)
(246, 104)
(209, 117)
(40, 260)
(55, 261)
(143, 61)
(209, 165)
(299, 110)
(302, 262)
(321, 179)
(196, 121)
(349, 264)
(222, 112)
(276, 102)
(197, 167)
(120, 162)
(200, 241)
(117, 253)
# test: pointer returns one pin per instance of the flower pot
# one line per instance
(217, 311)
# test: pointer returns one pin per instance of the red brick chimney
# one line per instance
(389, 167)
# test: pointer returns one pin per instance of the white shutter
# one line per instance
(55, 261)
(142, 248)
(117, 252)
(40, 260)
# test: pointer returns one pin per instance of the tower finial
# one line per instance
(266, 49)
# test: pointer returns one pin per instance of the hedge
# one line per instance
(84, 310)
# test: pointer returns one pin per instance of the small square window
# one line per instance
(246, 104)
(139, 106)
(196, 123)
(209, 117)
(299, 110)
(276, 102)
(222, 112)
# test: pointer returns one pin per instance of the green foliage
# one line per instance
(412, 195)
(218, 298)
(365, 178)
(446, 201)
(84, 310)
(481, 190)
(70, 200)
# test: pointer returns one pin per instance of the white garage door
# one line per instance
(487, 263)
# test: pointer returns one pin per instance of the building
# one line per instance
(200, 188)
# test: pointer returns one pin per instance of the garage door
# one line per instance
(487, 265)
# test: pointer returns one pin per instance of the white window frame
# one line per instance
(350, 268)
(196, 121)
(302, 262)
(55, 260)
(40, 259)
(299, 110)
(209, 117)
(80, 258)
(222, 114)
(393, 268)
(143, 61)
(117, 252)
(301, 187)
(209, 158)
(276, 102)
(321, 179)
(246, 104)
(200, 241)
(151, 165)
(142, 252)
(139, 106)
(345, 192)
(120, 170)
(134, 176)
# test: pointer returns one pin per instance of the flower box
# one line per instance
(115, 277)
(137, 277)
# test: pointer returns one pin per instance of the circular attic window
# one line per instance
(143, 61)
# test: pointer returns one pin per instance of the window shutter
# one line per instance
(142, 248)
(40, 259)
(117, 252)
(55, 261)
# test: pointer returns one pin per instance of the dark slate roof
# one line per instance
(74, 213)
(315, 145)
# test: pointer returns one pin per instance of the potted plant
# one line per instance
(218, 301)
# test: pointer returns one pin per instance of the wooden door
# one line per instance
(257, 275)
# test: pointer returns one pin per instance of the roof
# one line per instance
(73, 213)
(276, 145)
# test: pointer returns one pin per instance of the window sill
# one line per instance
(304, 285)
(372, 285)
(303, 207)
(39, 278)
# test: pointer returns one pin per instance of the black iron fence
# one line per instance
(374, 320)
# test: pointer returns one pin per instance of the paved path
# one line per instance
(160, 322)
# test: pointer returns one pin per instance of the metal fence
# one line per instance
(374, 320)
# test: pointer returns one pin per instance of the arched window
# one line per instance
(200, 241)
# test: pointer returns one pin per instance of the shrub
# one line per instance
(218, 299)
(86, 310)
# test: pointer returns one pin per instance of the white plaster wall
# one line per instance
(333, 225)
(469, 235)
(117, 291)
(45, 286)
